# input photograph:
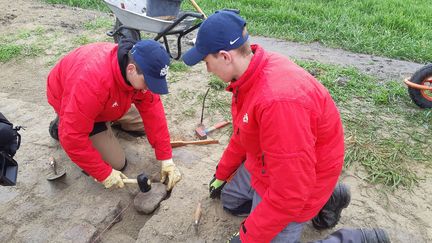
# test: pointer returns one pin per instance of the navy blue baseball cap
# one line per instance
(153, 60)
(221, 31)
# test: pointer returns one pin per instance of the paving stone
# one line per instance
(6, 233)
(147, 202)
(116, 238)
(79, 233)
(34, 233)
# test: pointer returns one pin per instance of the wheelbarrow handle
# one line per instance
(418, 86)
(195, 5)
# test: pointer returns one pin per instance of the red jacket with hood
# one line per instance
(288, 131)
(87, 86)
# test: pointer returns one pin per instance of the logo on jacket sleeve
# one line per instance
(245, 118)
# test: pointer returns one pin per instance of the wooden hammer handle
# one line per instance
(179, 143)
(130, 181)
(217, 126)
(197, 215)
(195, 5)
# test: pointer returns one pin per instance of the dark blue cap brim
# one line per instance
(156, 85)
(193, 56)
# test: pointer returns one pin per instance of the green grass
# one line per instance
(347, 83)
(99, 23)
(190, 112)
(82, 40)
(216, 83)
(178, 66)
(9, 51)
(385, 132)
(37, 41)
(393, 28)
(23, 44)
(92, 4)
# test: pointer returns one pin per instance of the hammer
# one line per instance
(142, 180)
(202, 132)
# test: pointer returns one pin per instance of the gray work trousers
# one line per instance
(238, 192)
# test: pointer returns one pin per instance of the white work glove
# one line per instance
(114, 179)
(169, 169)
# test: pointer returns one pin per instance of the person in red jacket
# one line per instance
(97, 84)
(286, 153)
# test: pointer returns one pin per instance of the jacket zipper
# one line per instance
(236, 94)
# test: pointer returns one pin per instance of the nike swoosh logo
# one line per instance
(234, 41)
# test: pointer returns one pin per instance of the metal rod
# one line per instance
(202, 110)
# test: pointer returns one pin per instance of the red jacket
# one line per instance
(86, 87)
(288, 131)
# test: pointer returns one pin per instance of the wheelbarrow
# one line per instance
(420, 87)
(131, 15)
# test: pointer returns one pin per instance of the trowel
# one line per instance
(55, 171)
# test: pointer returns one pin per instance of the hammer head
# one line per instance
(200, 132)
(143, 183)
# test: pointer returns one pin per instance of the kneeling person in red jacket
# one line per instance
(100, 83)
(287, 148)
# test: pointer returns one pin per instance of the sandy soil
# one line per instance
(76, 209)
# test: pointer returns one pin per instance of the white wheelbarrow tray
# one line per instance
(132, 14)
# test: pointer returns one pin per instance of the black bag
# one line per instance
(10, 141)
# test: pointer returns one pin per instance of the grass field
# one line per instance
(393, 28)
(384, 131)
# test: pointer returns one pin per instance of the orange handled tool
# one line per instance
(179, 143)
(195, 5)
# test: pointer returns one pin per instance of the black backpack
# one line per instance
(10, 141)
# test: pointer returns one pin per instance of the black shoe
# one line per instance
(132, 133)
(53, 128)
(375, 235)
(330, 214)
(242, 210)
(124, 166)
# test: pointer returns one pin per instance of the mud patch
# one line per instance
(380, 67)
(7, 19)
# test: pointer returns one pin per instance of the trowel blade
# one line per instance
(51, 176)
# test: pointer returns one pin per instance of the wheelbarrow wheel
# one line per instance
(125, 32)
(422, 98)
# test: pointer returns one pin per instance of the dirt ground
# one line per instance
(77, 209)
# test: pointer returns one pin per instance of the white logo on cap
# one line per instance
(164, 71)
(133, 49)
(234, 41)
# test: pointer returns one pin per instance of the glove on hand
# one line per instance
(114, 179)
(235, 238)
(169, 169)
(215, 187)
